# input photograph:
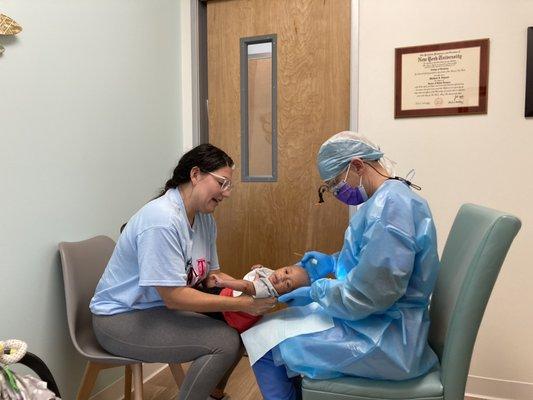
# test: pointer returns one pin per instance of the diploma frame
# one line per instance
(401, 111)
(529, 74)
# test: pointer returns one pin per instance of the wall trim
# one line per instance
(354, 65)
(497, 389)
(478, 387)
(115, 391)
(189, 71)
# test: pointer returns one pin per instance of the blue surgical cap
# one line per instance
(337, 152)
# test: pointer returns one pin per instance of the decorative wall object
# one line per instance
(442, 79)
(529, 73)
(8, 27)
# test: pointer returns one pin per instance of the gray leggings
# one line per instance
(167, 336)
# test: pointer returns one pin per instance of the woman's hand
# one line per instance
(255, 266)
(257, 306)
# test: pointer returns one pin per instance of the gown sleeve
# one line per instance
(386, 261)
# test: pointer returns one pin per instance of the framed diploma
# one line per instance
(442, 79)
(529, 73)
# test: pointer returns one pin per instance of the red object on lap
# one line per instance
(236, 319)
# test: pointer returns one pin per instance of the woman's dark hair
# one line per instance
(206, 157)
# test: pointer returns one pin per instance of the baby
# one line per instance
(260, 282)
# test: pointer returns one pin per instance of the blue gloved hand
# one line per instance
(318, 265)
(298, 297)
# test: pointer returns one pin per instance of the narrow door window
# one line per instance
(258, 109)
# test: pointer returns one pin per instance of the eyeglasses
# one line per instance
(225, 183)
(333, 184)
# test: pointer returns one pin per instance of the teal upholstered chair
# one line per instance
(476, 247)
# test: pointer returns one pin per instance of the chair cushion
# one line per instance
(427, 387)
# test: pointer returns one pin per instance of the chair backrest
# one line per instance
(473, 255)
(83, 264)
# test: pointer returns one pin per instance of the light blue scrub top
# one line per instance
(385, 274)
(158, 247)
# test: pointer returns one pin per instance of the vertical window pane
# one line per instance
(260, 109)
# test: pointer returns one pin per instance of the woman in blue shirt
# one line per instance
(149, 302)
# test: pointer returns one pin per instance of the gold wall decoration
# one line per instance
(8, 27)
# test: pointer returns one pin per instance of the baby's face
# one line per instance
(287, 279)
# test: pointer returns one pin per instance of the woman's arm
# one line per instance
(189, 299)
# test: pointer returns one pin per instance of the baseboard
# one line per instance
(477, 387)
(498, 389)
(115, 391)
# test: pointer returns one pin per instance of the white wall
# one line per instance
(89, 130)
(484, 159)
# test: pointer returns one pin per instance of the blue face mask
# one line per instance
(350, 195)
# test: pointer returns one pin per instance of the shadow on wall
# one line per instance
(5, 42)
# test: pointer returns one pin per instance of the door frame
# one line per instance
(193, 127)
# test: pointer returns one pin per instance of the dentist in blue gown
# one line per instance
(382, 280)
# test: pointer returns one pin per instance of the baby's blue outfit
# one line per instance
(385, 274)
(158, 247)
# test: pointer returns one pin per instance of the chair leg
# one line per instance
(89, 378)
(137, 381)
(177, 373)
(127, 383)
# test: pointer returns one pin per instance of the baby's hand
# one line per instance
(219, 282)
(256, 266)
(210, 281)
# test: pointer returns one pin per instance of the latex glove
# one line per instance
(318, 265)
(298, 297)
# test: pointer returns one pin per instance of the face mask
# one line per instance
(350, 195)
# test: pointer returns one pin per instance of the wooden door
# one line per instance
(273, 223)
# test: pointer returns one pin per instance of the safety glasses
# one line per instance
(332, 186)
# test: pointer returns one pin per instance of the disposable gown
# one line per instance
(385, 274)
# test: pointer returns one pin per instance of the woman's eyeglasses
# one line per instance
(225, 183)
